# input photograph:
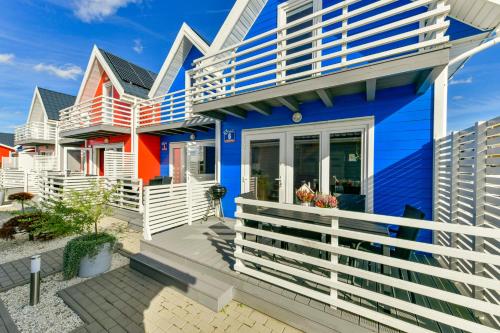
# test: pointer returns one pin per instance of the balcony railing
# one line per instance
(166, 109)
(336, 38)
(100, 110)
(35, 132)
(306, 256)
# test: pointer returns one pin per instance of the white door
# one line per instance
(107, 103)
(263, 167)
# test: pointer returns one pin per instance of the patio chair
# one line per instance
(403, 232)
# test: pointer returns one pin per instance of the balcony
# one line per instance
(171, 114)
(335, 51)
(36, 133)
(97, 117)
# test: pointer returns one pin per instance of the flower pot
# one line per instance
(93, 266)
(305, 204)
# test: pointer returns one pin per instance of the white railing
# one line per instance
(100, 110)
(27, 180)
(298, 267)
(119, 164)
(128, 191)
(22, 162)
(45, 163)
(169, 206)
(166, 109)
(336, 38)
(35, 131)
(467, 193)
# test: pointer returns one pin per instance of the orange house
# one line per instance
(104, 115)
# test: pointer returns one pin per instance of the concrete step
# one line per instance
(212, 293)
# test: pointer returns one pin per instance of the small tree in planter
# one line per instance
(89, 254)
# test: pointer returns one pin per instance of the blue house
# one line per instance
(345, 98)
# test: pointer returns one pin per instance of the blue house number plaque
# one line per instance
(229, 136)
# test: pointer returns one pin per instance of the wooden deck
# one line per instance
(209, 246)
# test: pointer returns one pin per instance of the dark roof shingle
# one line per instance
(54, 102)
(135, 80)
(7, 139)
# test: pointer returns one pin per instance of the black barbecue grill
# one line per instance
(216, 193)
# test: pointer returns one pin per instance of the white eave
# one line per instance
(482, 14)
(185, 40)
(97, 57)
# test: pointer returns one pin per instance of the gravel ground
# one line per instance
(51, 315)
(21, 247)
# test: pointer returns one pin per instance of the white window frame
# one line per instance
(282, 16)
(364, 125)
(184, 145)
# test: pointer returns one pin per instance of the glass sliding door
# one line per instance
(306, 162)
(263, 167)
(345, 163)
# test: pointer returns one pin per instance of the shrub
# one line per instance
(80, 247)
(25, 223)
(21, 197)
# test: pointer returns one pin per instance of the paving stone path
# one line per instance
(6, 323)
(125, 300)
(17, 273)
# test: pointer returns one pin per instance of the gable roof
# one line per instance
(134, 79)
(128, 78)
(185, 40)
(54, 101)
(7, 139)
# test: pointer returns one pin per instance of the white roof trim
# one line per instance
(97, 55)
(185, 33)
(229, 24)
(8, 147)
(36, 95)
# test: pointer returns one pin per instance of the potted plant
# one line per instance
(325, 201)
(305, 196)
(89, 254)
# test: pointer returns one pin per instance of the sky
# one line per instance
(48, 43)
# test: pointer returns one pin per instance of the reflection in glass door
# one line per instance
(306, 162)
(263, 166)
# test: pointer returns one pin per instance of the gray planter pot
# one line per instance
(93, 266)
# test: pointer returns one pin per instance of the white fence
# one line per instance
(119, 164)
(45, 163)
(169, 206)
(12, 178)
(21, 162)
(467, 193)
(298, 267)
(128, 191)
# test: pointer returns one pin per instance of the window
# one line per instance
(345, 163)
(289, 13)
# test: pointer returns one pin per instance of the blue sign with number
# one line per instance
(229, 136)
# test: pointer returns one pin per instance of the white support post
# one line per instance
(454, 193)
(135, 137)
(189, 198)
(146, 228)
(26, 178)
(238, 237)
(479, 197)
(334, 260)
(141, 196)
(218, 146)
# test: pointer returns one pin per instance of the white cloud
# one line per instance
(457, 98)
(96, 10)
(463, 81)
(138, 47)
(67, 72)
(6, 58)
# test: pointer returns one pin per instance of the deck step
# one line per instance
(212, 293)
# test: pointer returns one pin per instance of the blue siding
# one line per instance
(458, 30)
(179, 82)
(403, 146)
